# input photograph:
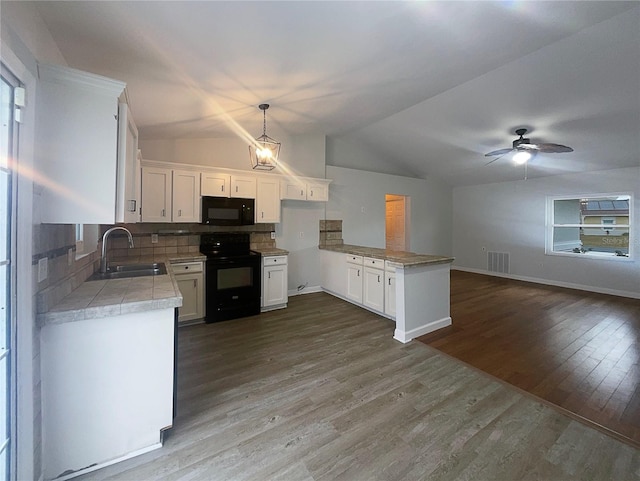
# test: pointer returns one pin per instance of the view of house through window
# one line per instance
(590, 226)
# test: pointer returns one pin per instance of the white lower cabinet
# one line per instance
(373, 292)
(190, 279)
(390, 292)
(354, 278)
(274, 283)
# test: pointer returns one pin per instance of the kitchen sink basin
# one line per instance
(130, 270)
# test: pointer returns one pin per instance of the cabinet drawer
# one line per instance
(389, 267)
(371, 262)
(274, 260)
(186, 267)
(354, 259)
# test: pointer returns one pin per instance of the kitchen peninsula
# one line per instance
(412, 289)
(108, 353)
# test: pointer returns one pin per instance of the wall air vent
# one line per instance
(498, 262)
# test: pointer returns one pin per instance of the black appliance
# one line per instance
(233, 276)
(227, 211)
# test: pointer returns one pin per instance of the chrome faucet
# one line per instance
(103, 259)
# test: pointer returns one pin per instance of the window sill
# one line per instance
(597, 257)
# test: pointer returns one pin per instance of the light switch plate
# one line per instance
(273, 235)
(42, 269)
(154, 238)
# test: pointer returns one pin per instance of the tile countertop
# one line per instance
(400, 258)
(271, 251)
(106, 298)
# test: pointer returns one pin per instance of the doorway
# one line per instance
(396, 231)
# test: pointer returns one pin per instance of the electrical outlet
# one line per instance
(273, 235)
(154, 238)
(70, 257)
(301, 235)
(43, 269)
(362, 209)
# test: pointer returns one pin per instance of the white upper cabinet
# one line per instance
(128, 178)
(185, 197)
(301, 188)
(215, 184)
(78, 147)
(243, 186)
(156, 194)
(268, 200)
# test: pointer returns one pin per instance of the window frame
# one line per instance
(551, 225)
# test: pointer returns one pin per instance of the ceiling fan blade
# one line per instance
(498, 152)
(553, 148)
(499, 156)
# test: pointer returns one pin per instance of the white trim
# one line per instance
(24, 443)
(537, 280)
(306, 290)
(406, 336)
(95, 467)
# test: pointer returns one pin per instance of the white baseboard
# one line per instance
(406, 336)
(537, 280)
(306, 290)
(95, 467)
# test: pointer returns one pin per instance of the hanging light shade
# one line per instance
(264, 151)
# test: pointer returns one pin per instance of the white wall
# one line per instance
(510, 217)
(299, 155)
(353, 191)
(25, 41)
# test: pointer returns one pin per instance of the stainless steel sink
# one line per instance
(130, 270)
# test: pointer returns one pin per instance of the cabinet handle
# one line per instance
(311, 192)
(195, 283)
(236, 188)
(269, 276)
(358, 272)
(262, 215)
(179, 212)
(162, 213)
(301, 192)
(378, 278)
(222, 188)
(389, 280)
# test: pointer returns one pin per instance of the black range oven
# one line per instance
(233, 276)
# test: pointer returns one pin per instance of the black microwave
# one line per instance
(227, 211)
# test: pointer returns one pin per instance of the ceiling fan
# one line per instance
(525, 150)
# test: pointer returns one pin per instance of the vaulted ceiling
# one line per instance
(426, 87)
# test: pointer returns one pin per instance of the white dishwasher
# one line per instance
(190, 279)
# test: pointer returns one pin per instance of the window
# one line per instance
(594, 226)
(86, 239)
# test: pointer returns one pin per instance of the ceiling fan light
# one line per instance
(521, 157)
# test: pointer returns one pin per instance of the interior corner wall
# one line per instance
(511, 217)
(358, 199)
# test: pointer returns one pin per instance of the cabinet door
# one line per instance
(354, 282)
(373, 293)
(318, 192)
(275, 286)
(390, 293)
(192, 290)
(215, 185)
(243, 186)
(186, 196)
(128, 178)
(268, 201)
(156, 194)
(290, 189)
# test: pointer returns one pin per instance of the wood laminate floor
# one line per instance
(321, 391)
(575, 349)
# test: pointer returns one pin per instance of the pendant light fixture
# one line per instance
(264, 151)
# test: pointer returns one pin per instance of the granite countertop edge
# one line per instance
(271, 251)
(396, 258)
(107, 298)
